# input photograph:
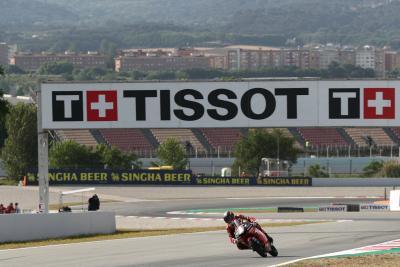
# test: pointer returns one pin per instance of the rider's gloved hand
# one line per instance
(252, 219)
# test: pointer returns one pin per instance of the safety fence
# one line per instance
(326, 151)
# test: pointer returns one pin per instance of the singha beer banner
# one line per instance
(148, 177)
(295, 103)
(142, 177)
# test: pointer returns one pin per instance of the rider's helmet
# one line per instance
(228, 216)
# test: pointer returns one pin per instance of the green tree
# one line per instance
(70, 154)
(20, 151)
(56, 68)
(172, 153)
(13, 69)
(262, 144)
(317, 171)
(113, 158)
(373, 168)
(4, 107)
(391, 169)
(109, 49)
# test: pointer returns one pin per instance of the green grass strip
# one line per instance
(257, 210)
(376, 252)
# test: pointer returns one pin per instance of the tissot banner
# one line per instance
(221, 104)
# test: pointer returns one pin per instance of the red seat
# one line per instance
(126, 139)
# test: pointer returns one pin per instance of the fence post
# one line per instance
(351, 167)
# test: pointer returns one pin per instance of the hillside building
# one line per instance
(33, 61)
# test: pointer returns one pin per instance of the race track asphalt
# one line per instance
(346, 231)
(206, 249)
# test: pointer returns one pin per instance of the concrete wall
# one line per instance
(385, 182)
(23, 227)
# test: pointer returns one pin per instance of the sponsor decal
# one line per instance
(285, 181)
(373, 207)
(102, 106)
(379, 103)
(336, 208)
(67, 106)
(109, 177)
(223, 181)
(344, 103)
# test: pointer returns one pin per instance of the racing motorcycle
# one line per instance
(249, 235)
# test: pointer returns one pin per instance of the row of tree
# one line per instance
(67, 70)
(19, 151)
(22, 83)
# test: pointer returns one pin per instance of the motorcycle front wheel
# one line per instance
(258, 247)
(274, 251)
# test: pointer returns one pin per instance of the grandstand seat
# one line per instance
(378, 135)
(83, 137)
(129, 140)
(224, 138)
(322, 136)
(396, 131)
(182, 135)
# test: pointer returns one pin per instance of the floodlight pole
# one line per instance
(43, 159)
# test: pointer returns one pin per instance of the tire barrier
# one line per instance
(290, 209)
(349, 207)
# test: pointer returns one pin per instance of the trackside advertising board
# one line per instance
(149, 177)
(275, 103)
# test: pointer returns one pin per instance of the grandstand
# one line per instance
(185, 136)
(128, 140)
(216, 142)
(222, 138)
(378, 135)
(322, 137)
(83, 137)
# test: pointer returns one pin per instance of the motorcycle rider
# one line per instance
(230, 217)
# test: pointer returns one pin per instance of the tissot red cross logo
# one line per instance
(379, 103)
(102, 106)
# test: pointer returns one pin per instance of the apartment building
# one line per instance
(3, 54)
(347, 55)
(33, 61)
(255, 58)
(160, 63)
(372, 58)
(327, 55)
(392, 60)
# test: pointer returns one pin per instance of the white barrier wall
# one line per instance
(24, 227)
(395, 200)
